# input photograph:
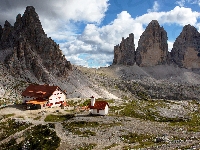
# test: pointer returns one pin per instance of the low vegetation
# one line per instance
(8, 115)
(75, 127)
(86, 146)
(37, 118)
(140, 140)
(58, 118)
(10, 126)
(41, 137)
(110, 146)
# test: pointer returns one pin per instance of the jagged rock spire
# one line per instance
(186, 48)
(152, 46)
(32, 51)
(125, 52)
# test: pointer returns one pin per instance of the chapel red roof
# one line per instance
(42, 91)
(98, 105)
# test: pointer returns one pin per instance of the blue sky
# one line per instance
(88, 30)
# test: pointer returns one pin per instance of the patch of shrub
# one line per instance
(41, 137)
(10, 126)
(58, 118)
(86, 146)
(143, 139)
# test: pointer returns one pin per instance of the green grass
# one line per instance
(71, 103)
(110, 146)
(8, 115)
(192, 125)
(85, 103)
(81, 127)
(74, 127)
(58, 118)
(37, 118)
(147, 110)
(81, 124)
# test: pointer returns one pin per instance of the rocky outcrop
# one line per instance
(1, 31)
(124, 53)
(152, 46)
(32, 50)
(186, 48)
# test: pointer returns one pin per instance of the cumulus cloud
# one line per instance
(96, 40)
(183, 2)
(180, 3)
(56, 17)
(155, 7)
(196, 2)
(179, 15)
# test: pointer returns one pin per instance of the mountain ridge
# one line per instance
(153, 48)
(29, 56)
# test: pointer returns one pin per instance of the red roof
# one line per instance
(98, 105)
(41, 91)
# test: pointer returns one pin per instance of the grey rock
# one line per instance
(31, 49)
(186, 49)
(152, 46)
(125, 52)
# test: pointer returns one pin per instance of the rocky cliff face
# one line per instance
(30, 50)
(125, 52)
(186, 48)
(152, 47)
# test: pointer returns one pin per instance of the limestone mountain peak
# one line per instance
(186, 49)
(31, 51)
(152, 46)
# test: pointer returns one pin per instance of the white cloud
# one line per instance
(170, 45)
(179, 15)
(97, 40)
(183, 2)
(196, 2)
(77, 61)
(57, 18)
(155, 7)
(180, 3)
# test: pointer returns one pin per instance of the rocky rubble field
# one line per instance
(131, 124)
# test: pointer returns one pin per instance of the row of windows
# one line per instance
(56, 98)
(57, 93)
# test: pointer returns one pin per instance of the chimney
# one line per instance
(92, 101)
